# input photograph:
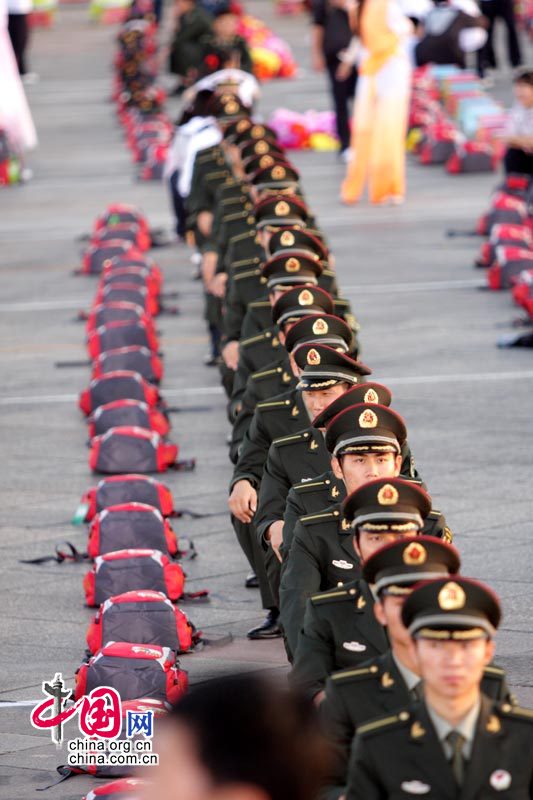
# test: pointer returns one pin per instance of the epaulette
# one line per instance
(295, 437)
(516, 712)
(306, 486)
(241, 236)
(260, 337)
(355, 674)
(217, 174)
(322, 516)
(245, 262)
(330, 596)
(250, 273)
(330, 273)
(267, 373)
(272, 405)
(384, 723)
(259, 304)
(235, 215)
(494, 672)
(209, 155)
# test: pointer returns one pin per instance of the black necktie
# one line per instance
(417, 692)
(456, 741)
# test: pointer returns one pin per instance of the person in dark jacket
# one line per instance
(187, 50)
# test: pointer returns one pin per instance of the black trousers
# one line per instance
(19, 29)
(503, 9)
(342, 93)
(178, 204)
(519, 161)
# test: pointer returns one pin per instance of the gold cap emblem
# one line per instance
(414, 554)
(257, 131)
(282, 208)
(451, 597)
(371, 396)
(388, 495)
(320, 327)
(242, 125)
(231, 107)
(261, 147)
(292, 265)
(265, 161)
(313, 358)
(368, 419)
(287, 239)
(305, 298)
(278, 173)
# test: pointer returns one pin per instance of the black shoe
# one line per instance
(270, 629)
(211, 360)
(252, 581)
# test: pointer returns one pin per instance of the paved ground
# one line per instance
(427, 330)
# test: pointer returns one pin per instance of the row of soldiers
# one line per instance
(354, 566)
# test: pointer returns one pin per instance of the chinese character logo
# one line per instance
(139, 722)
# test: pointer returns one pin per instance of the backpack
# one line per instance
(471, 157)
(125, 231)
(146, 617)
(96, 257)
(141, 274)
(121, 334)
(128, 489)
(128, 293)
(510, 262)
(132, 570)
(523, 290)
(134, 670)
(124, 449)
(117, 213)
(127, 413)
(130, 525)
(120, 385)
(119, 311)
(121, 789)
(505, 208)
(133, 358)
(511, 235)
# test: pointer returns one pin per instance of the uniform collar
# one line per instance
(410, 678)
(467, 726)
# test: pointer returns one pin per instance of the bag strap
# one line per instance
(64, 772)
(60, 555)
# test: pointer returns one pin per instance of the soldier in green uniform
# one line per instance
(390, 681)
(318, 628)
(279, 415)
(456, 742)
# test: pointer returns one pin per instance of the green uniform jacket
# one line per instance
(322, 557)
(242, 261)
(399, 756)
(274, 417)
(254, 354)
(339, 630)
(276, 378)
(356, 695)
(209, 161)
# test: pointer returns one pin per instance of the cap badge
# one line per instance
(261, 148)
(388, 495)
(293, 265)
(305, 298)
(451, 597)
(368, 419)
(500, 780)
(320, 327)
(265, 161)
(313, 357)
(231, 107)
(257, 131)
(242, 125)
(282, 208)
(287, 239)
(414, 554)
(371, 397)
(278, 173)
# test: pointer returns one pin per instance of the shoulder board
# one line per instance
(272, 405)
(335, 595)
(296, 437)
(251, 273)
(209, 154)
(235, 215)
(241, 236)
(330, 273)
(355, 674)
(221, 173)
(259, 304)
(493, 672)
(516, 712)
(323, 516)
(384, 723)
(236, 198)
(268, 373)
(434, 514)
(315, 486)
(244, 262)
(261, 337)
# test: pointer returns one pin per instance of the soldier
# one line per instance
(326, 634)
(390, 681)
(280, 415)
(456, 742)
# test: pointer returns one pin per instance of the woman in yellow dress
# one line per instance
(381, 105)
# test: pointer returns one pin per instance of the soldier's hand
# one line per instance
(230, 355)
(243, 501)
(275, 537)
(317, 699)
(217, 286)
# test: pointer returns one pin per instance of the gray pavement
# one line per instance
(427, 330)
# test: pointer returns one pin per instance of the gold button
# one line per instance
(327, 482)
(340, 583)
(268, 335)
(287, 402)
(336, 513)
(278, 369)
(506, 708)
(373, 669)
(403, 715)
(306, 435)
(352, 591)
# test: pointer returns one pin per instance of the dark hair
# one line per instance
(199, 107)
(524, 75)
(248, 730)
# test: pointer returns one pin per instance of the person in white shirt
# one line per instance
(19, 29)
